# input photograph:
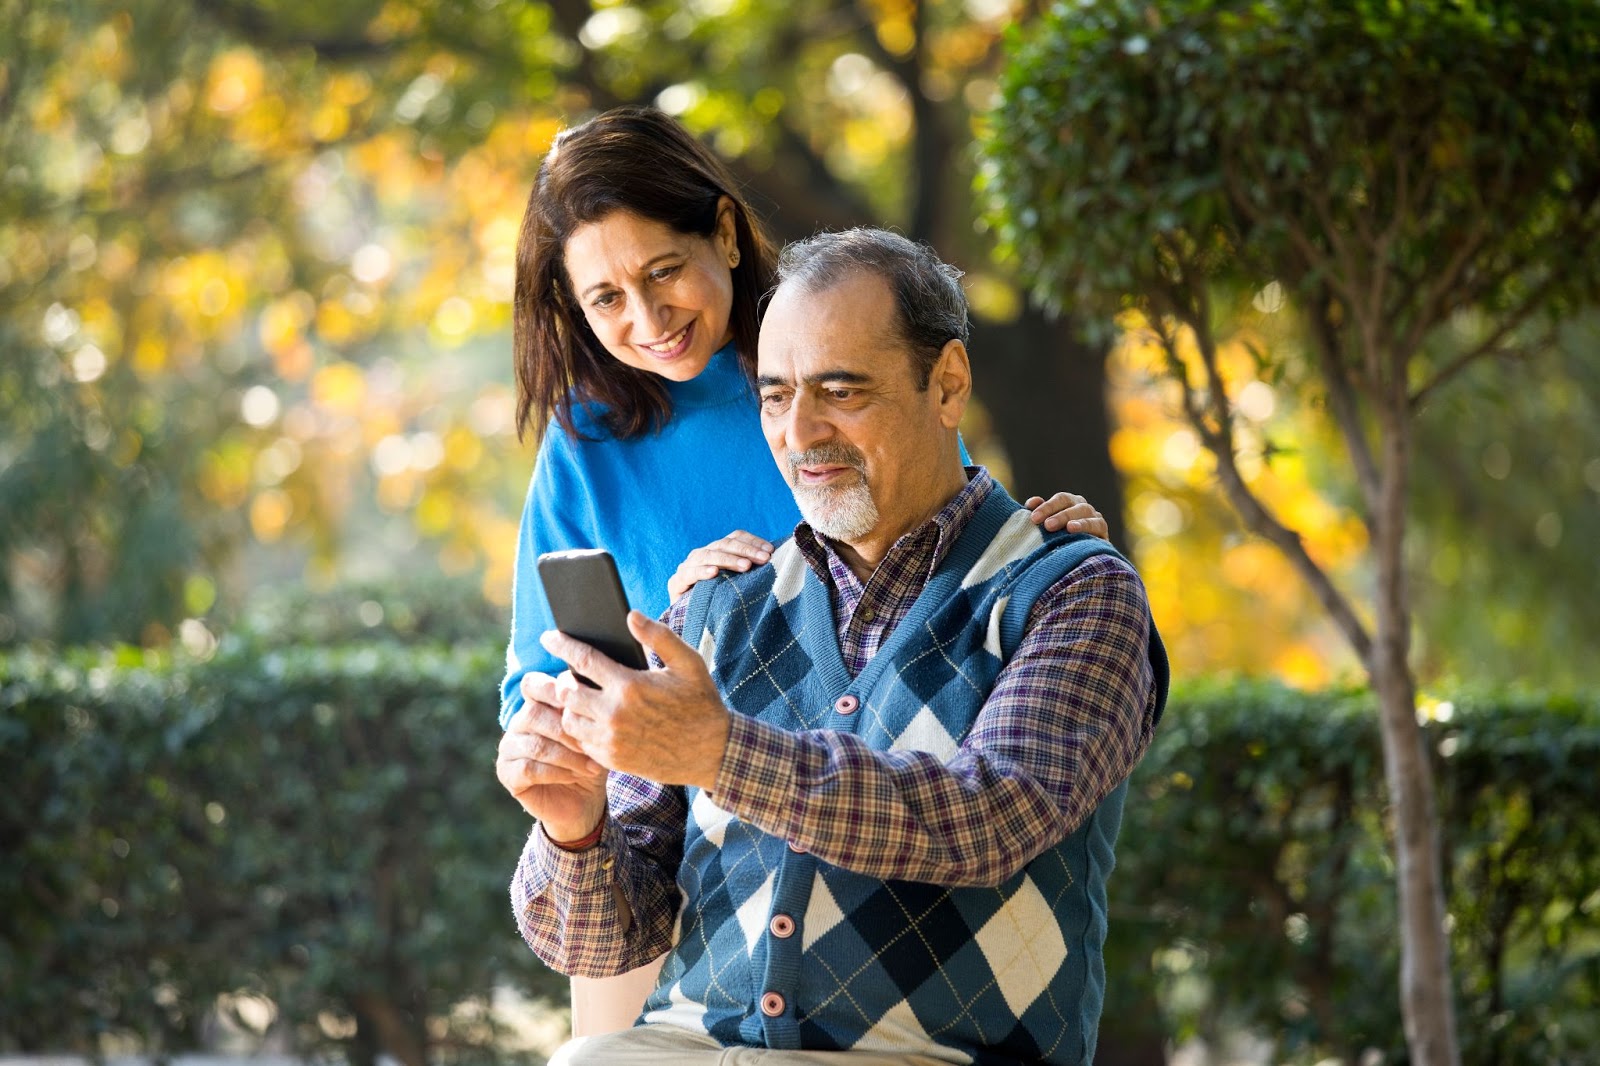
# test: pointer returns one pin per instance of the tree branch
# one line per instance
(1315, 259)
(1489, 347)
(905, 69)
(1255, 514)
(1342, 398)
(259, 28)
(1435, 301)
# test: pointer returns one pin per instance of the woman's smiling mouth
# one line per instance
(673, 345)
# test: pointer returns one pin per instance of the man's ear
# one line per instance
(951, 383)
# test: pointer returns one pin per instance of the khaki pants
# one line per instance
(666, 1045)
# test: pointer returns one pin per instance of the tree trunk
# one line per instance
(1131, 1041)
(393, 1029)
(1045, 390)
(1427, 999)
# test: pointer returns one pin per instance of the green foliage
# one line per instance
(1507, 497)
(426, 609)
(321, 827)
(1139, 147)
(207, 206)
(1253, 885)
(1421, 184)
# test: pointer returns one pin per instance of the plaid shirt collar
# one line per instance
(930, 541)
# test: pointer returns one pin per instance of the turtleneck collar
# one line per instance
(722, 381)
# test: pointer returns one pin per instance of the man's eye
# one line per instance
(840, 394)
(773, 401)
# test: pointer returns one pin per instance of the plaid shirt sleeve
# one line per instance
(1068, 718)
(610, 908)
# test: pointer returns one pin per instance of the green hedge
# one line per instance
(323, 828)
(1254, 884)
(320, 827)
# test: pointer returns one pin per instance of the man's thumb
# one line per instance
(656, 637)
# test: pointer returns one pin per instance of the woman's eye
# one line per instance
(605, 301)
(663, 273)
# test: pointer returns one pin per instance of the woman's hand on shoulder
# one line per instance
(1069, 511)
(737, 551)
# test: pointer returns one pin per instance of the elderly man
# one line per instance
(870, 798)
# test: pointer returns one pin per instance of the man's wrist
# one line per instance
(583, 843)
(717, 751)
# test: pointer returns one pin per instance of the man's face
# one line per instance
(860, 444)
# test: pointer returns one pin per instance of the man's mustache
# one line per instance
(836, 453)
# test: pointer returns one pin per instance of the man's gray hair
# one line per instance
(931, 306)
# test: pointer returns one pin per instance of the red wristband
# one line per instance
(584, 842)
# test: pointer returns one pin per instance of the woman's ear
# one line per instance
(727, 232)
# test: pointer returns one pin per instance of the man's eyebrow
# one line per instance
(849, 377)
(644, 269)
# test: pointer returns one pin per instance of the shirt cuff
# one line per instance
(571, 873)
(758, 775)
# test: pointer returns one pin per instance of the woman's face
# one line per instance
(657, 299)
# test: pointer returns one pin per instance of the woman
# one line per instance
(639, 278)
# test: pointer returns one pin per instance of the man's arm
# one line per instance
(1069, 717)
(607, 908)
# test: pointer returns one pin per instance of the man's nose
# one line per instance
(807, 425)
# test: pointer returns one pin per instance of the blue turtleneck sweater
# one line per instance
(649, 501)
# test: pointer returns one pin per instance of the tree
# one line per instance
(1420, 183)
(254, 266)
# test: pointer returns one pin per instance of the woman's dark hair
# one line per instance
(635, 159)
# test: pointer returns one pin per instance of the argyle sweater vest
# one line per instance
(775, 948)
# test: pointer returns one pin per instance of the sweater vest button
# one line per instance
(796, 848)
(782, 926)
(772, 1004)
(846, 704)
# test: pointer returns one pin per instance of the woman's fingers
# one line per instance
(1069, 511)
(739, 536)
(738, 551)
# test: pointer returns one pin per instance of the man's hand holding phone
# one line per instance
(669, 725)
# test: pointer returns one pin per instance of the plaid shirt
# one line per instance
(1067, 720)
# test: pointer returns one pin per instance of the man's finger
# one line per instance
(659, 638)
(583, 658)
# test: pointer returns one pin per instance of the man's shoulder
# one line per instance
(1074, 558)
(780, 578)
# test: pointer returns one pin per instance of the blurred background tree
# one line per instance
(258, 259)
(255, 264)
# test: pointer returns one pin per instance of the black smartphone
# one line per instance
(588, 603)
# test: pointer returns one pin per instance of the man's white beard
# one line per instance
(845, 512)
(839, 512)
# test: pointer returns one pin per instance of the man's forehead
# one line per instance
(847, 324)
